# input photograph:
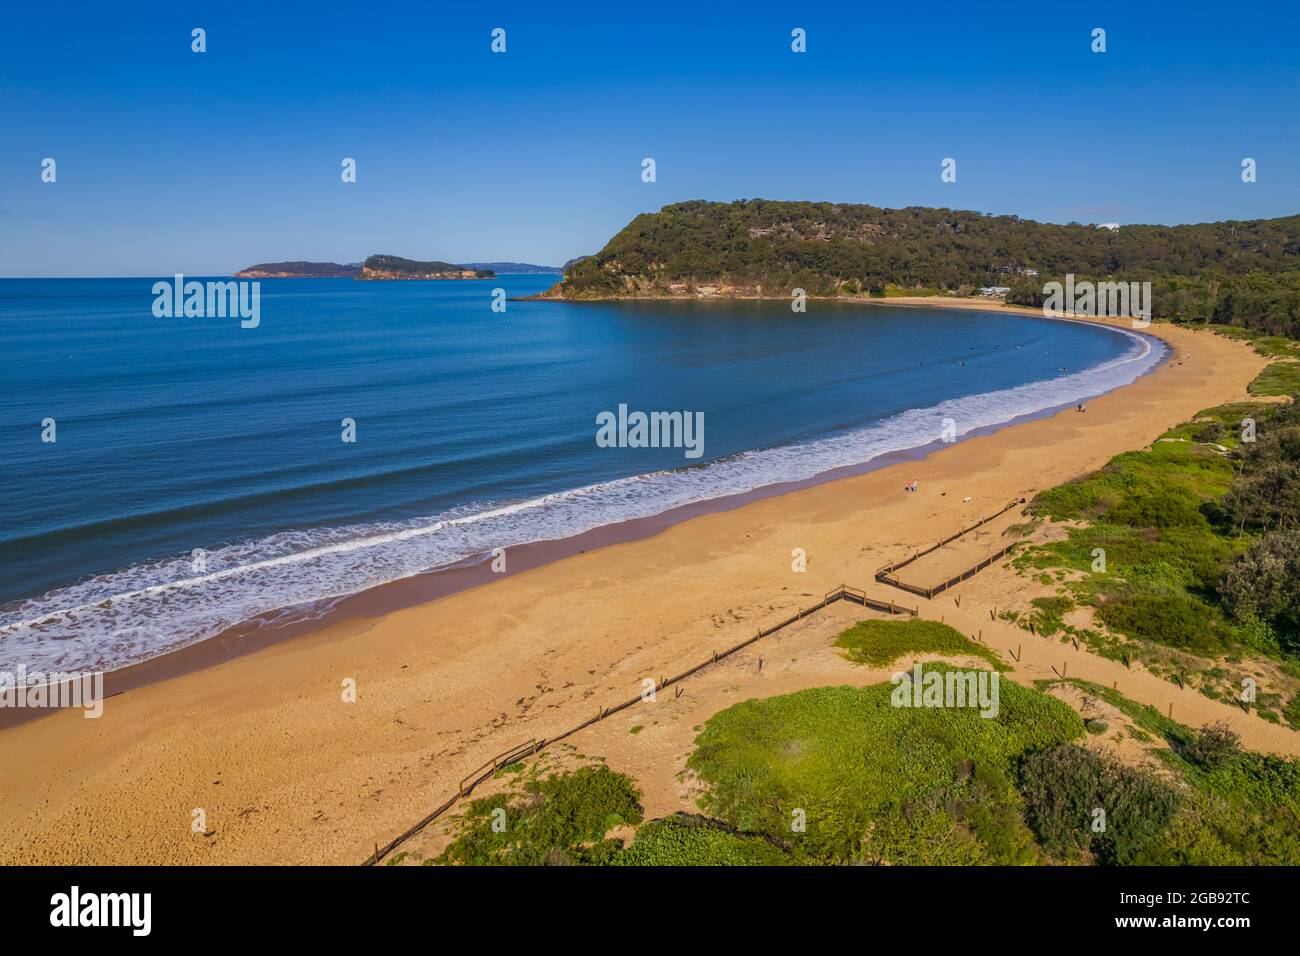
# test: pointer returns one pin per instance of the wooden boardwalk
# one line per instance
(487, 770)
(887, 574)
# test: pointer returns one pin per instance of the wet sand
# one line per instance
(261, 741)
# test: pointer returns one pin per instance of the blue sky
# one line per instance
(171, 161)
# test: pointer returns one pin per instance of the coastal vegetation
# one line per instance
(1234, 806)
(1192, 545)
(1068, 783)
(1280, 378)
(295, 270)
(688, 839)
(1235, 273)
(837, 775)
(1264, 304)
(878, 643)
(872, 782)
(561, 818)
(395, 267)
(1272, 346)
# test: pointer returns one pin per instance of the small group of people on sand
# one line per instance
(1081, 407)
(910, 486)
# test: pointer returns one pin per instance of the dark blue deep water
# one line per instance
(199, 477)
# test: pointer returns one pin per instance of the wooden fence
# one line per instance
(886, 575)
(514, 754)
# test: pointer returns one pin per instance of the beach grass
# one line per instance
(1273, 346)
(879, 643)
(1280, 378)
(836, 775)
(562, 818)
(871, 782)
(1221, 425)
(692, 840)
(1167, 547)
(1148, 514)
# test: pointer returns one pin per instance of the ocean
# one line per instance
(199, 475)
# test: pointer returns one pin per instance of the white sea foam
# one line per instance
(127, 616)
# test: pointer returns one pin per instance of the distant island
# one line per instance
(299, 270)
(395, 267)
(391, 267)
(515, 268)
(1244, 272)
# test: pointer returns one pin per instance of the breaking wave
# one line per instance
(111, 620)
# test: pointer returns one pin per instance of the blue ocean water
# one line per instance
(199, 477)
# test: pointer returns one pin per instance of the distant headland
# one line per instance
(395, 267)
(1243, 272)
(391, 267)
(299, 270)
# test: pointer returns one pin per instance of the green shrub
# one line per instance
(1172, 618)
(1241, 811)
(1292, 711)
(1214, 747)
(1077, 801)
(1280, 378)
(689, 840)
(878, 643)
(1170, 519)
(1157, 508)
(1264, 584)
(1210, 431)
(875, 782)
(561, 819)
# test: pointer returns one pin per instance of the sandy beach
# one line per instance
(284, 770)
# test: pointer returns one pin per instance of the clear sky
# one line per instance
(173, 161)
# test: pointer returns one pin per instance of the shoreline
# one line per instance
(251, 636)
(287, 623)
(992, 303)
(288, 772)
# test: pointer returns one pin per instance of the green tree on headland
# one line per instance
(1238, 272)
